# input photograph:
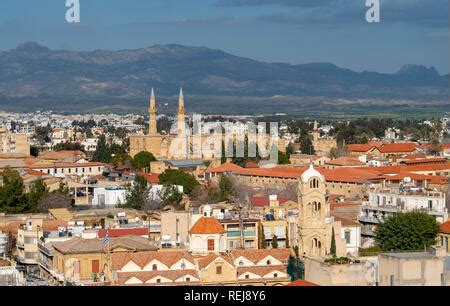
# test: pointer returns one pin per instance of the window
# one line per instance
(154, 267)
(158, 280)
(391, 280)
(268, 262)
(188, 279)
(347, 237)
(247, 276)
(211, 245)
(219, 270)
(30, 240)
(241, 263)
(95, 266)
(275, 275)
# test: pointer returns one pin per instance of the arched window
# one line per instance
(314, 183)
(154, 267)
(268, 262)
(275, 275)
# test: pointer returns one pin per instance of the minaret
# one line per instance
(181, 115)
(152, 115)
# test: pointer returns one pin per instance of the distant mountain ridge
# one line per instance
(32, 71)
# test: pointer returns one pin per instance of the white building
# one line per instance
(207, 235)
(389, 201)
(109, 195)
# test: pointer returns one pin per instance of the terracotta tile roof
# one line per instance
(260, 270)
(225, 167)
(79, 246)
(346, 222)
(345, 161)
(344, 174)
(433, 179)
(169, 258)
(67, 165)
(359, 147)
(264, 200)
(251, 164)
(424, 161)
(147, 275)
(256, 255)
(398, 147)
(118, 232)
(445, 227)
(152, 178)
(52, 225)
(207, 225)
(203, 262)
(301, 283)
(405, 168)
(11, 227)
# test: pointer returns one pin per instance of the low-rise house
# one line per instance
(415, 268)
(86, 261)
(444, 235)
(207, 235)
(154, 268)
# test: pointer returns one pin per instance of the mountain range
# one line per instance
(33, 76)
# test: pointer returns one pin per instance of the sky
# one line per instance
(289, 31)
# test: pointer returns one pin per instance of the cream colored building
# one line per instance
(415, 269)
(13, 142)
(28, 236)
(182, 143)
(314, 221)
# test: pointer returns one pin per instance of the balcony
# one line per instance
(386, 208)
(368, 219)
(232, 234)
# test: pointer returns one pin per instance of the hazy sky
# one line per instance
(293, 31)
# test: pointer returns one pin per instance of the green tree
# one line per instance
(283, 158)
(102, 153)
(407, 231)
(142, 160)
(170, 196)
(137, 194)
(37, 191)
(333, 243)
(262, 237)
(274, 242)
(120, 159)
(306, 145)
(12, 197)
(226, 189)
(180, 178)
(291, 269)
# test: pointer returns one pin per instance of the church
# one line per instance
(182, 144)
(315, 225)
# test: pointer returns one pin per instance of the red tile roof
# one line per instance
(152, 178)
(168, 258)
(398, 147)
(301, 283)
(359, 147)
(445, 227)
(118, 232)
(251, 164)
(264, 201)
(345, 161)
(433, 179)
(424, 161)
(346, 222)
(225, 167)
(207, 225)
